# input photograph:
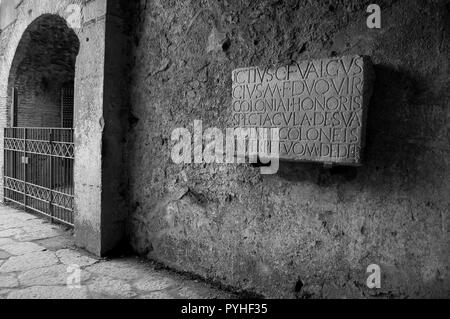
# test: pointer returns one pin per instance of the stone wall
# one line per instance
(7, 12)
(307, 231)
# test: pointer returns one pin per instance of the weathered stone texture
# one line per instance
(29, 261)
(47, 276)
(319, 106)
(153, 283)
(124, 269)
(8, 281)
(49, 292)
(22, 248)
(71, 257)
(105, 287)
(307, 231)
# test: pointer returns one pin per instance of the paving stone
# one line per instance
(6, 241)
(49, 276)
(15, 223)
(3, 228)
(29, 261)
(157, 295)
(37, 223)
(17, 214)
(32, 236)
(49, 292)
(8, 281)
(153, 283)
(37, 232)
(4, 293)
(56, 243)
(14, 220)
(107, 287)
(72, 257)
(5, 215)
(4, 254)
(119, 269)
(188, 293)
(21, 248)
(43, 274)
(10, 232)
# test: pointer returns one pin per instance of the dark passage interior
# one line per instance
(42, 92)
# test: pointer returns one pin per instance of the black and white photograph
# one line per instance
(224, 157)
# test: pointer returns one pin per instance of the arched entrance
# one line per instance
(39, 144)
(98, 198)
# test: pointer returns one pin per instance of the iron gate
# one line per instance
(38, 170)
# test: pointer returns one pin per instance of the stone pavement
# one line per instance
(37, 258)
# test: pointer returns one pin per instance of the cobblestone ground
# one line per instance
(37, 257)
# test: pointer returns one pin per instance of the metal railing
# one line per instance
(38, 170)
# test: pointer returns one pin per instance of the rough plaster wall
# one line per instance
(306, 231)
(7, 12)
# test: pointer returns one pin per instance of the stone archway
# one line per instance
(39, 144)
(99, 98)
(27, 13)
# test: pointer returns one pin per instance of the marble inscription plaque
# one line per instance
(319, 106)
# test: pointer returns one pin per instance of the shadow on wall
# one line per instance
(387, 130)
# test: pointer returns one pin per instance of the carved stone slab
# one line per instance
(320, 106)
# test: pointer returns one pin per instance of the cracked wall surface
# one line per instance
(307, 231)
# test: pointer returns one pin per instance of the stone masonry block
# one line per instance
(319, 106)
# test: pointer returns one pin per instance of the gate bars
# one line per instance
(38, 170)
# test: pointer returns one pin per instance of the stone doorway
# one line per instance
(39, 144)
(100, 99)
